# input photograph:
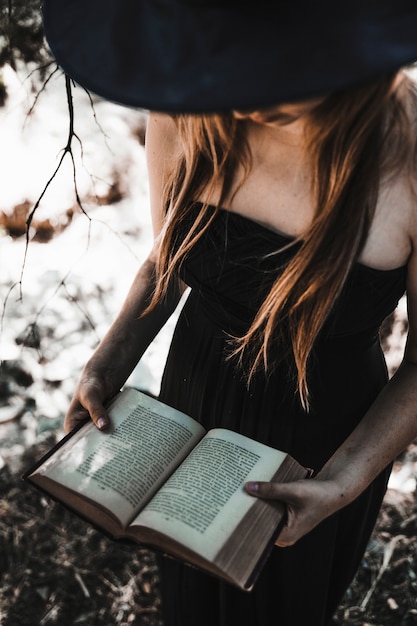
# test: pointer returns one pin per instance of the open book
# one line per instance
(158, 478)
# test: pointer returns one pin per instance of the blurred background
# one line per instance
(74, 227)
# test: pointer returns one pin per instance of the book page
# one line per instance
(121, 468)
(203, 501)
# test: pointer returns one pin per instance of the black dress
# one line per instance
(229, 273)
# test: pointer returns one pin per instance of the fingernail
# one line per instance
(254, 487)
(102, 423)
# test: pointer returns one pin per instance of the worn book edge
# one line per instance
(124, 538)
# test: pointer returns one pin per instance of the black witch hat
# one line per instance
(216, 55)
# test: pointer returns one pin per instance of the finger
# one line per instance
(97, 412)
(91, 408)
(74, 417)
(272, 491)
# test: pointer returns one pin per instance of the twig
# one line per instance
(93, 109)
(39, 92)
(67, 150)
(388, 552)
(5, 301)
(40, 68)
(75, 301)
(82, 585)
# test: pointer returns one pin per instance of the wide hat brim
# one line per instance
(200, 56)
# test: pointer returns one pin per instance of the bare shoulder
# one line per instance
(407, 190)
(392, 239)
(162, 147)
(162, 137)
(405, 187)
(411, 349)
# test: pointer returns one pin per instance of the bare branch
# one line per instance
(4, 307)
(39, 92)
(77, 304)
(93, 109)
(63, 285)
(66, 151)
(40, 69)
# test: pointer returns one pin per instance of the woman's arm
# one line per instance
(388, 427)
(385, 431)
(120, 350)
(131, 333)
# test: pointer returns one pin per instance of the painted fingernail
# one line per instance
(254, 487)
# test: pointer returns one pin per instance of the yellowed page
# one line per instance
(123, 467)
(203, 502)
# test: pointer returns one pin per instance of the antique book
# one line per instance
(156, 477)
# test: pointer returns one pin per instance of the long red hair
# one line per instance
(356, 138)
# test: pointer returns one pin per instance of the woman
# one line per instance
(294, 221)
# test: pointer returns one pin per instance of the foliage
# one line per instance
(22, 39)
(56, 569)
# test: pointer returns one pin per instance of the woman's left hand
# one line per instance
(308, 502)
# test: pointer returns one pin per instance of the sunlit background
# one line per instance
(64, 279)
(62, 282)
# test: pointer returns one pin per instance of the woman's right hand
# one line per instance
(88, 401)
